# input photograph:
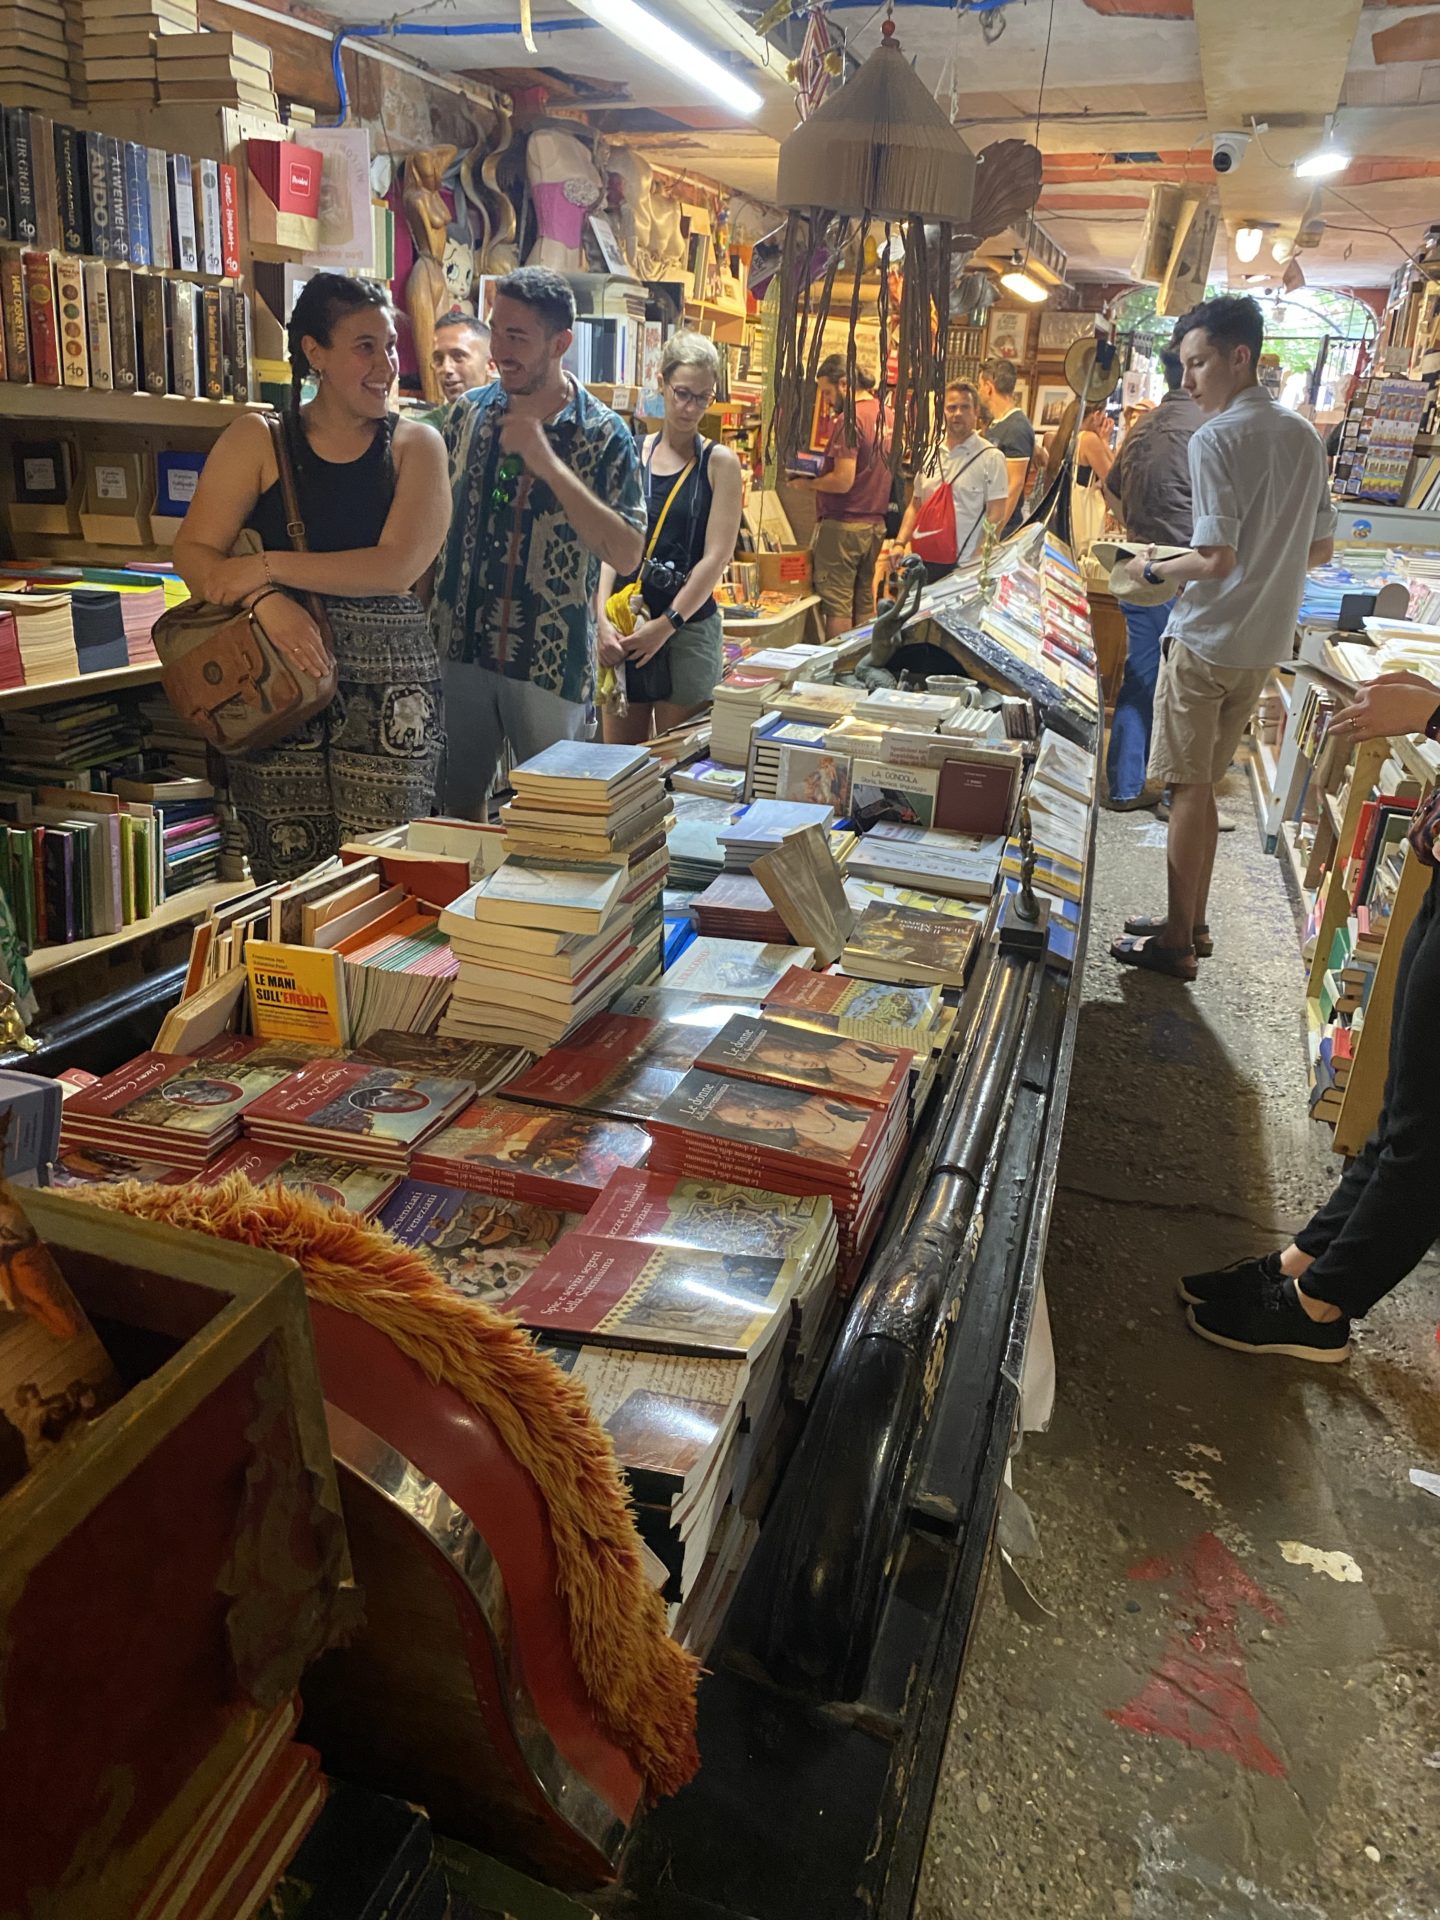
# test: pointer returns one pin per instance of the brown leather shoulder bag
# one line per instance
(221, 671)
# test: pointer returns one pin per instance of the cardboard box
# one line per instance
(789, 571)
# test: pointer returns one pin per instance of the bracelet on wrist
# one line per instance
(1432, 726)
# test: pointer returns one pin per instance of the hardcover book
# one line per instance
(72, 186)
(229, 222)
(15, 314)
(754, 1123)
(789, 1055)
(157, 192)
(40, 315)
(483, 1247)
(97, 325)
(205, 176)
(182, 213)
(24, 211)
(675, 1298)
(125, 356)
(70, 322)
(154, 334)
(212, 343)
(119, 200)
(97, 180)
(182, 302)
(535, 1153)
(137, 207)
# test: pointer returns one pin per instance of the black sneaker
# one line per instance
(1268, 1319)
(1227, 1283)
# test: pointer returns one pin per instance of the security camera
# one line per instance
(1227, 150)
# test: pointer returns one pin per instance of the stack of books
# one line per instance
(620, 1065)
(911, 947)
(819, 702)
(777, 1134)
(768, 744)
(740, 703)
(696, 855)
(662, 1209)
(960, 865)
(760, 827)
(709, 777)
(339, 1183)
(229, 69)
(376, 1115)
(482, 1246)
(736, 907)
(604, 805)
(99, 627)
(896, 1016)
(483, 1066)
(113, 48)
(539, 947)
(548, 1157)
(45, 633)
(402, 978)
(172, 1110)
(34, 67)
(76, 743)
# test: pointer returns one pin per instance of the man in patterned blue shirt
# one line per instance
(547, 485)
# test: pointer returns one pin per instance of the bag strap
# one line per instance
(294, 523)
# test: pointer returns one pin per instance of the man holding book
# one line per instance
(1263, 518)
(546, 486)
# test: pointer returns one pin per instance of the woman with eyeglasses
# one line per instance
(374, 497)
(672, 658)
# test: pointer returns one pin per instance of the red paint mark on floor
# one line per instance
(1199, 1693)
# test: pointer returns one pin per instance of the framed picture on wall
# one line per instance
(1022, 395)
(1060, 331)
(1009, 336)
(1051, 400)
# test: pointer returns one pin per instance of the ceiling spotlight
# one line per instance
(1281, 250)
(1248, 241)
(1023, 285)
(1328, 158)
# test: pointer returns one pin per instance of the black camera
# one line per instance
(660, 581)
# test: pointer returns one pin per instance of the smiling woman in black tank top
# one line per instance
(672, 660)
(374, 497)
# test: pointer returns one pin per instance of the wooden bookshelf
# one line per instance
(48, 692)
(95, 406)
(190, 905)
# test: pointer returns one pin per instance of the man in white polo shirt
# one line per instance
(1263, 517)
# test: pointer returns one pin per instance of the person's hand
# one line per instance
(524, 433)
(1135, 567)
(232, 579)
(1395, 704)
(294, 633)
(802, 482)
(647, 640)
(609, 645)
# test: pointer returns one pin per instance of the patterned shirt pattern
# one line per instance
(515, 585)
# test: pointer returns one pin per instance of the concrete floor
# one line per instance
(1205, 1728)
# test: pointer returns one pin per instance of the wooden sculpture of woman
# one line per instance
(427, 292)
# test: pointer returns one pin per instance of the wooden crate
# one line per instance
(166, 1578)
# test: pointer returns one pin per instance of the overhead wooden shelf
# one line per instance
(174, 913)
(117, 409)
(47, 691)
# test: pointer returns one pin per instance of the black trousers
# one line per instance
(1385, 1214)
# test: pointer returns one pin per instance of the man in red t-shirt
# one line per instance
(852, 498)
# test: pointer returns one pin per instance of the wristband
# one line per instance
(265, 593)
(1151, 577)
(1432, 726)
(677, 620)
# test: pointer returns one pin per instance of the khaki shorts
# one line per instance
(1201, 711)
(845, 552)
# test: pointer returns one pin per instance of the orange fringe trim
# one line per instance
(642, 1684)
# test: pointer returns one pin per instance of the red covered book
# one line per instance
(550, 1158)
(347, 1107)
(787, 1055)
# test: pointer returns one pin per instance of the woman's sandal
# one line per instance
(1150, 957)
(1149, 924)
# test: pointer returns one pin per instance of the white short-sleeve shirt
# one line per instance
(976, 474)
(1259, 484)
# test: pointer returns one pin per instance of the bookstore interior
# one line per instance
(574, 1257)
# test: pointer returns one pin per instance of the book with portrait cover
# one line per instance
(733, 969)
(482, 1246)
(671, 1210)
(550, 1157)
(348, 1107)
(339, 1183)
(617, 1064)
(749, 1125)
(788, 1055)
(896, 1016)
(672, 1298)
(900, 944)
(483, 1063)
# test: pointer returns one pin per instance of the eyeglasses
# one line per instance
(685, 398)
(507, 478)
